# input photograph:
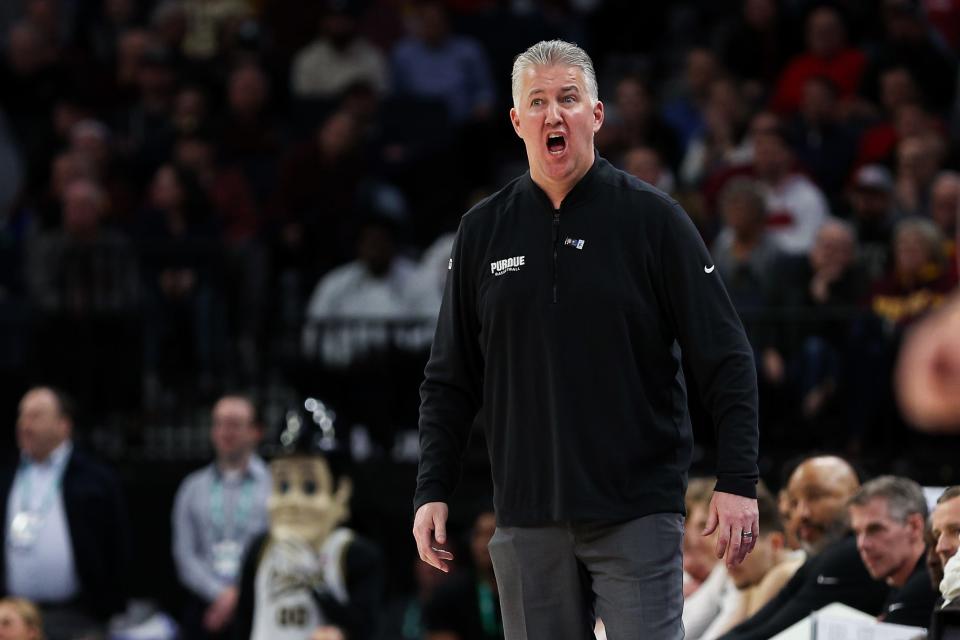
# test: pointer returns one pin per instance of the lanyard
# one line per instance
(26, 488)
(488, 612)
(242, 508)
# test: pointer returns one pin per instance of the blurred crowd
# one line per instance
(198, 194)
(204, 195)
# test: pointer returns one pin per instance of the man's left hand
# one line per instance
(327, 633)
(737, 521)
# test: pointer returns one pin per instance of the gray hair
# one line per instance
(928, 232)
(904, 496)
(548, 53)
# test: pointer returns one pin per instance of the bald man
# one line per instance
(817, 494)
(65, 537)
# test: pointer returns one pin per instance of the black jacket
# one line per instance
(837, 574)
(913, 603)
(564, 329)
(99, 532)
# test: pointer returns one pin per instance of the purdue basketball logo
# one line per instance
(506, 265)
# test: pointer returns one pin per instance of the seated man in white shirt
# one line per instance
(375, 286)
(761, 575)
(65, 533)
(700, 563)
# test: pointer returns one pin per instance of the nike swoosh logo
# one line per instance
(822, 579)
(896, 605)
(709, 269)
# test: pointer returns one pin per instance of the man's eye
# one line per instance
(309, 487)
(283, 486)
(569, 98)
(536, 102)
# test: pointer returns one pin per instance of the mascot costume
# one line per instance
(308, 578)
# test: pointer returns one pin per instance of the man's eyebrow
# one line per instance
(569, 87)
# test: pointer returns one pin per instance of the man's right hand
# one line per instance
(430, 532)
(220, 612)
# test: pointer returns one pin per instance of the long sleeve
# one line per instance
(713, 342)
(451, 391)
(192, 567)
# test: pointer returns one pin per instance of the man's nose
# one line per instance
(946, 544)
(553, 113)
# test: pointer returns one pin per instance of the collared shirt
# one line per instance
(212, 508)
(43, 571)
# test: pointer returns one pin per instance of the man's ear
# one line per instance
(917, 525)
(598, 115)
(515, 121)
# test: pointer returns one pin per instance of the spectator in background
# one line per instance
(795, 206)
(218, 510)
(432, 63)
(315, 203)
(945, 525)
(632, 121)
(83, 269)
(684, 111)
(699, 560)
(83, 285)
(191, 110)
(828, 54)
(818, 490)
(745, 253)
(645, 163)
(32, 77)
(934, 565)
(919, 280)
(873, 215)
(755, 46)
(168, 22)
(901, 114)
(247, 135)
(467, 605)
(206, 22)
(65, 536)
(144, 130)
(824, 144)
(20, 620)
(244, 259)
(919, 160)
(92, 140)
(338, 58)
(701, 607)
(887, 516)
(47, 206)
(131, 46)
(944, 211)
(426, 288)
(373, 286)
(179, 241)
(760, 577)
(720, 143)
(812, 305)
(907, 42)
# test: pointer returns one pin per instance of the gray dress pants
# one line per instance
(555, 580)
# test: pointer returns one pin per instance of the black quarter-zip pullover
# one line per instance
(564, 329)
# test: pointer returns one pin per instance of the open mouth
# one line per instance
(556, 143)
